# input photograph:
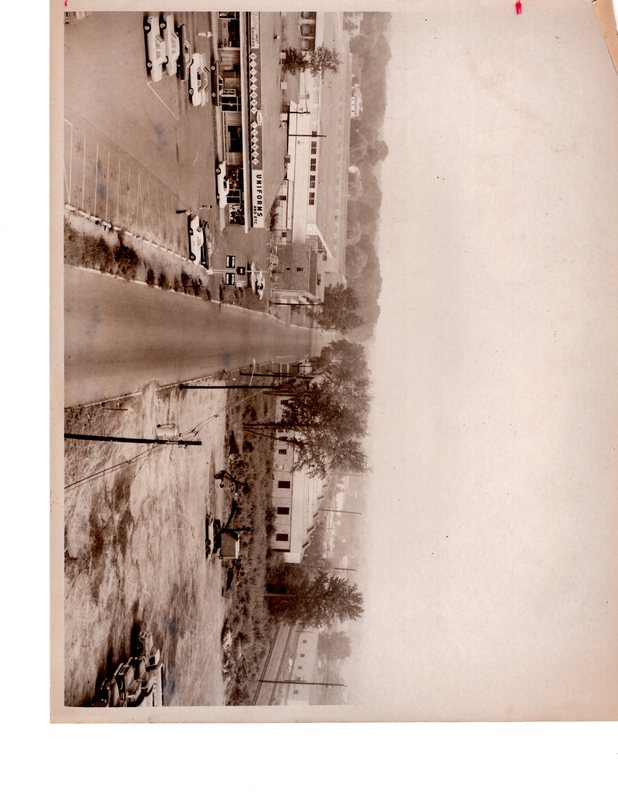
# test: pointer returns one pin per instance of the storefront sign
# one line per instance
(254, 30)
(257, 197)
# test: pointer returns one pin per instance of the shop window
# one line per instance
(230, 102)
(283, 484)
(234, 133)
(283, 511)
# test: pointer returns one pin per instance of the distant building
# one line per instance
(295, 498)
(357, 102)
(304, 668)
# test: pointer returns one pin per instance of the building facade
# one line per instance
(247, 49)
(311, 206)
(295, 498)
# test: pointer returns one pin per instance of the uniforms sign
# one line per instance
(257, 197)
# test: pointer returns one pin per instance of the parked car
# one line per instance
(206, 247)
(199, 80)
(172, 43)
(196, 238)
(186, 53)
(223, 186)
(156, 53)
(217, 81)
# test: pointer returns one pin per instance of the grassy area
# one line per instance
(87, 244)
(107, 253)
(248, 628)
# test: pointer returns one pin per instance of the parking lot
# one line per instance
(136, 151)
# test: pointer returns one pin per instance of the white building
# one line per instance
(357, 102)
(295, 497)
(313, 200)
(304, 668)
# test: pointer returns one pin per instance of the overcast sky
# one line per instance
(492, 549)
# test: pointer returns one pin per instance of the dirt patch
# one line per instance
(248, 629)
(134, 544)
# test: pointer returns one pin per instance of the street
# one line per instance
(121, 335)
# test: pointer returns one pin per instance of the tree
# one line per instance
(317, 61)
(294, 60)
(354, 232)
(327, 419)
(334, 645)
(359, 145)
(355, 261)
(338, 311)
(343, 361)
(378, 152)
(355, 184)
(322, 59)
(317, 600)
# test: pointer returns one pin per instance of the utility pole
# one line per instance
(225, 386)
(87, 437)
(340, 511)
(302, 683)
(294, 305)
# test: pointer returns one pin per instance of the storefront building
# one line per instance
(240, 106)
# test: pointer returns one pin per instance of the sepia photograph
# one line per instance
(336, 433)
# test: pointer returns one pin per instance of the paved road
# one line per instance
(120, 335)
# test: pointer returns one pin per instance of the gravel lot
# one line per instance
(134, 544)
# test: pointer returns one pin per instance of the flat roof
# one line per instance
(334, 153)
(274, 135)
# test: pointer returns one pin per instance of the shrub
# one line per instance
(126, 259)
(163, 281)
(150, 277)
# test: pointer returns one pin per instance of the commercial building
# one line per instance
(295, 497)
(311, 205)
(248, 56)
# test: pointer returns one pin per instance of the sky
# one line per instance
(490, 590)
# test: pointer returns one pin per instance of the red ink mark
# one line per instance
(66, 3)
(518, 8)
